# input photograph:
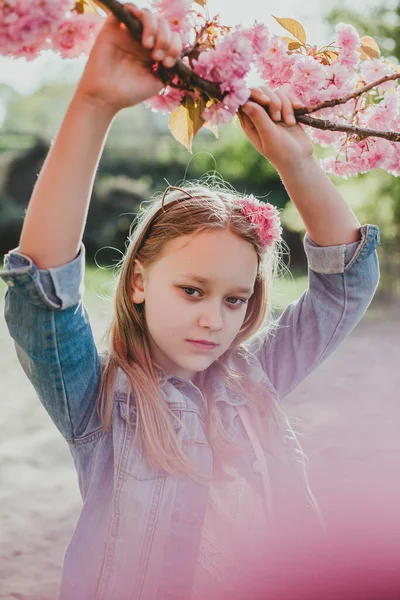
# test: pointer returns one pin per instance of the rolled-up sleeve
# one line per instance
(342, 282)
(49, 324)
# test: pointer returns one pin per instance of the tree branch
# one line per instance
(190, 80)
(358, 132)
(344, 99)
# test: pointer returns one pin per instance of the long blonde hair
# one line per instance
(196, 206)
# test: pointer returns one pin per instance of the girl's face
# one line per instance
(196, 291)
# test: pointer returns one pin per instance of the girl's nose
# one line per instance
(211, 317)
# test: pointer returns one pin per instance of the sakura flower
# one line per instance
(25, 25)
(308, 74)
(76, 34)
(340, 168)
(348, 39)
(231, 58)
(393, 164)
(274, 64)
(265, 218)
(166, 101)
(341, 77)
(327, 138)
(374, 69)
(259, 37)
(383, 115)
(217, 114)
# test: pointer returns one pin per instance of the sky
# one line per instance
(26, 76)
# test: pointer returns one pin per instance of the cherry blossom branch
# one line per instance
(190, 80)
(344, 99)
(353, 130)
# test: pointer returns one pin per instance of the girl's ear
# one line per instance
(138, 283)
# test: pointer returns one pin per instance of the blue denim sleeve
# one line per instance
(50, 327)
(342, 283)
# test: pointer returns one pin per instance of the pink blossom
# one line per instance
(348, 42)
(274, 64)
(327, 138)
(25, 25)
(224, 111)
(76, 34)
(166, 101)
(350, 61)
(259, 37)
(340, 168)
(393, 164)
(343, 79)
(278, 73)
(374, 69)
(383, 115)
(217, 114)
(175, 11)
(231, 58)
(237, 97)
(348, 39)
(265, 217)
(308, 74)
(376, 152)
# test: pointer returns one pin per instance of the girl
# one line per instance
(190, 474)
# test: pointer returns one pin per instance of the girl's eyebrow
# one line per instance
(205, 281)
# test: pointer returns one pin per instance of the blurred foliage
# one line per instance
(139, 158)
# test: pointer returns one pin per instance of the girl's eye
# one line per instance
(238, 301)
(189, 291)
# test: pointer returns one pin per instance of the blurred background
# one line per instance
(347, 412)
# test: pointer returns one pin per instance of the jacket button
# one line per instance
(10, 283)
(257, 466)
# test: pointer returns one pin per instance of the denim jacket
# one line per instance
(139, 531)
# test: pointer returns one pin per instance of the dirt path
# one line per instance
(348, 412)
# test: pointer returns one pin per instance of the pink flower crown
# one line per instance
(265, 217)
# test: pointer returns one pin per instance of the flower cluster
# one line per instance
(29, 26)
(265, 218)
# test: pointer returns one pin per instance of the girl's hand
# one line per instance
(118, 72)
(283, 142)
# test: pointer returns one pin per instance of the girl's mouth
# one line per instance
(203, 345)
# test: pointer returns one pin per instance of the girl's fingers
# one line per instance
(245, 119)
(259, 120)
(296, 102)
(287, 109)
(149, 22)
(174, 50)
(281, 103)
(260, 95)
(265, 96)
(163, 39)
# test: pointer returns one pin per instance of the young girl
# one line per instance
(191, 476)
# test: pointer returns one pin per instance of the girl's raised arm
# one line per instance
(117, 75)
(43, 306)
